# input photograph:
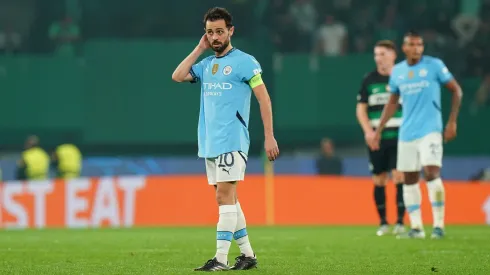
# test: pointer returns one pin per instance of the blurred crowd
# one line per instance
(456, 30)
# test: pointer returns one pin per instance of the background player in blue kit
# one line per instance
(418, 81)
(227, 80)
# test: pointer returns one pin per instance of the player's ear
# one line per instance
(232, 30)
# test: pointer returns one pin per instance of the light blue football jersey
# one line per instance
(419, 87)
(225, 102)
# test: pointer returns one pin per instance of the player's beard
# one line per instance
(221, 48)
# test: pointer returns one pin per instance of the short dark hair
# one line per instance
(217, 13)
(412, 33)
(386, 44)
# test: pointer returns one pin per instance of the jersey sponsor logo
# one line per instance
(423, 73)
(414, 88)
(215, 89)
(227, 70)
(215, 68)
(378, 99)
(214, 93)
(217, 86)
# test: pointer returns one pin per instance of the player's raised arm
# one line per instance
(446, 78)
(184, 72)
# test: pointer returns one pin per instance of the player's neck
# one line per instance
(385, 71)
(223, 53)
(413, 61)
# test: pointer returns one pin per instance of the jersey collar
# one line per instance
(420, 61)
(232, 49)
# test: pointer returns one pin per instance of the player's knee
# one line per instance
(411, 177)
(397, 176)
(431, 173)
(225, 194)
(380, 179)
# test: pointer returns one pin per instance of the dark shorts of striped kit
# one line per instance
(383, 160)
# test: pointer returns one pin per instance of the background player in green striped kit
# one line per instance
(371, 99)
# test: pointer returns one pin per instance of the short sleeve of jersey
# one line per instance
(197, 70)
(392, 86)
(362, 96)
(442, 72)
(249, 67)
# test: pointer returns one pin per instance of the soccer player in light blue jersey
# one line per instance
(418, 81)
(227, 80)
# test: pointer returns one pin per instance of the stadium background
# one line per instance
(112, 91)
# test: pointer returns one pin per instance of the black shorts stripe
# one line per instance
(437, 106)
(195, 79)
(379, 108)
(240, 118)
(243, 157)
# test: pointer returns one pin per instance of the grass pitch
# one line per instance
(280, 250)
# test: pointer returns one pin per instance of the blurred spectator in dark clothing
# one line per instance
(479, 56)
(361, 29)
(328, 163)
(419, 15)
(281, 25)
(304, 16)
(434, 42)
(442, 14)
(390, 26)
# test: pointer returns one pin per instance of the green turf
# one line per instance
(280, 250)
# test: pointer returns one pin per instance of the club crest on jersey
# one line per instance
(410, 74)
(227, 70)
(423, 73)
(215, 68)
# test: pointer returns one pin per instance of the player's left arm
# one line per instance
(446, 78)
(251, 73)
(262, 95)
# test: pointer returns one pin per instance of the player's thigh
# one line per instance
(211, 170)
(230, 167)
(408, 159)
(431, 150)
(378, 166)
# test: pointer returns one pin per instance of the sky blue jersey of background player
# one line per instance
(419, 86)
(225, 102)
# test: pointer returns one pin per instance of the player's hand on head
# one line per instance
(450, 131)
(204, 43)
(271, 148)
